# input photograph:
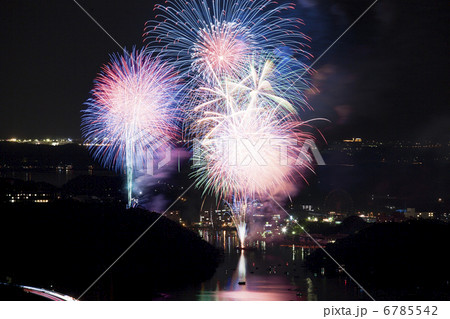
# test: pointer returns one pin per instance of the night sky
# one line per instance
(386, 78)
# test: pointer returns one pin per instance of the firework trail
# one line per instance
(249, 143)
(209, 39)
(238, 215)
(131, 113)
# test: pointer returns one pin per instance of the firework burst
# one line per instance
(247, 152)
(239, 59)
(249, 142)
(210, 39)
(263, 84)
(131, 113)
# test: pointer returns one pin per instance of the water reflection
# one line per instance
(226, 240)
(267, 272)
(242, 269)
(255, 286)
(310, 289)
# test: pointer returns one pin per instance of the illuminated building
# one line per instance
(174, 215)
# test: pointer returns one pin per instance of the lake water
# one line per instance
(269, 272)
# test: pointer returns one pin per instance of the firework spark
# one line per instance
(211, 39)
(131, 113)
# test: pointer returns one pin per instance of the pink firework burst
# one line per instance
(131, 112)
